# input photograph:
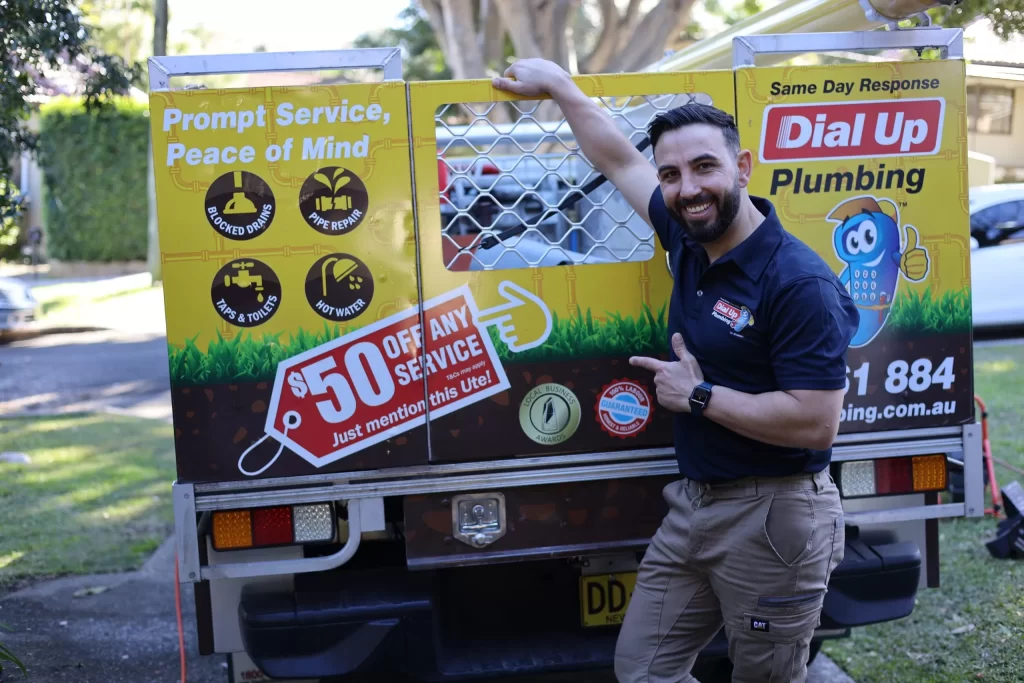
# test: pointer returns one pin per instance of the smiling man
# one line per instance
(760, 327)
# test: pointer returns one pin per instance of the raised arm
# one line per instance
(599, 139)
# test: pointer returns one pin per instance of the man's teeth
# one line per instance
(699, 208)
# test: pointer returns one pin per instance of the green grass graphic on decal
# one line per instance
(248, 358)
(918, 314)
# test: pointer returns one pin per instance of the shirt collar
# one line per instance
(752, 254)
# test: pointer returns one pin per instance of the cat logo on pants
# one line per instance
(850, 130)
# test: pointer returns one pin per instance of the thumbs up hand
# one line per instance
(675, 380)
(914, 262)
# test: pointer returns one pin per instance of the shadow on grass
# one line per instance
(95, 498)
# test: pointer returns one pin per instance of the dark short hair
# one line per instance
(694, 113)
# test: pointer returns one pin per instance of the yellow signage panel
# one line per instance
(285, 220)
(867, 164)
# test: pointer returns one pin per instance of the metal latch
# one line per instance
(478, 519)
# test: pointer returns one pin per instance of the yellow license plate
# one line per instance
(605, 597)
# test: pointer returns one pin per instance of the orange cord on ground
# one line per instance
(177, 607)
(993, 485)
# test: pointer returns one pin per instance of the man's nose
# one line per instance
(689, 190)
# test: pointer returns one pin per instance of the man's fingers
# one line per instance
(652, 364)
(509, 85)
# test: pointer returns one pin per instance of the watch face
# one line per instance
(700, 394)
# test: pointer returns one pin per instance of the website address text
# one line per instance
(868, 414)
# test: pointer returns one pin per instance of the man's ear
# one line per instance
(745, 165)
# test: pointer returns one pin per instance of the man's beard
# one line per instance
(726, 209)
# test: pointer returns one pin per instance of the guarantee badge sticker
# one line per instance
(623, 408)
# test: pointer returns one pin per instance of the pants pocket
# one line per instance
(776, 641)
(789, 526)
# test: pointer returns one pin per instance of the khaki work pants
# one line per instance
(754, 555)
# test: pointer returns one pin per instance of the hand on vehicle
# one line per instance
(532, 77)
(674, 380)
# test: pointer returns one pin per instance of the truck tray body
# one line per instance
(399, 320)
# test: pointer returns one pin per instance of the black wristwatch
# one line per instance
(699, 398)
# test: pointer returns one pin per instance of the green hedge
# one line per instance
(94, 168)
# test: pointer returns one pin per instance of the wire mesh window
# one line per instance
(516, 191)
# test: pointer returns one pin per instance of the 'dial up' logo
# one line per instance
(849, 130)
(549, 414)
(623, 408)
(736, 317)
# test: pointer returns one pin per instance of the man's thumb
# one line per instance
(678, 346)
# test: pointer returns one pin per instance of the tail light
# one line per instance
(892, 476)
(273, 526)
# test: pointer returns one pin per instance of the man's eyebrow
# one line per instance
(707, 156)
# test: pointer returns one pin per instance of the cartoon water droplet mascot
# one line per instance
(868, 240)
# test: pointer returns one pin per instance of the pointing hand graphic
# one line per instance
(522, 314)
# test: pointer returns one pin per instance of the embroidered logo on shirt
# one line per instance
(736, 317)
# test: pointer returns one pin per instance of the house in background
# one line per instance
(995, 102)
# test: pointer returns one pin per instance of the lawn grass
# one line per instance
(917, 314)
(63, 296)
(248, 358)
(95, 498)
(972, 627)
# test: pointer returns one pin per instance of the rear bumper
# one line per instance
(523, 618)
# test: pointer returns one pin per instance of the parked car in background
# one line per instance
(19, 310)
(997, 213)
(997, 279)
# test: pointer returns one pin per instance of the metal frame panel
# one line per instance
(186, 536)
(949, 40)
(163, 69)
(554, 471)
(911, 514)
(974, 471)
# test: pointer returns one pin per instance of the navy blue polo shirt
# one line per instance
(769, 315)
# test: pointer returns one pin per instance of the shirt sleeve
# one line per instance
(661, 221)
(812, 324)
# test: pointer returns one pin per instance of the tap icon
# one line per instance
(244, 279)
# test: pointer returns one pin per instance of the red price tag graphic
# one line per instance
(367, 386)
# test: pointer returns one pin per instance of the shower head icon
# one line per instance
(340, 269)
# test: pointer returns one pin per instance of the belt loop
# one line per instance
(819, 485)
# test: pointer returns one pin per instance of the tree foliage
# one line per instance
(37, 37)
(422, 58)
(94, 166)
(1007, 16)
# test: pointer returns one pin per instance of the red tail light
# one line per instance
(892, 476)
